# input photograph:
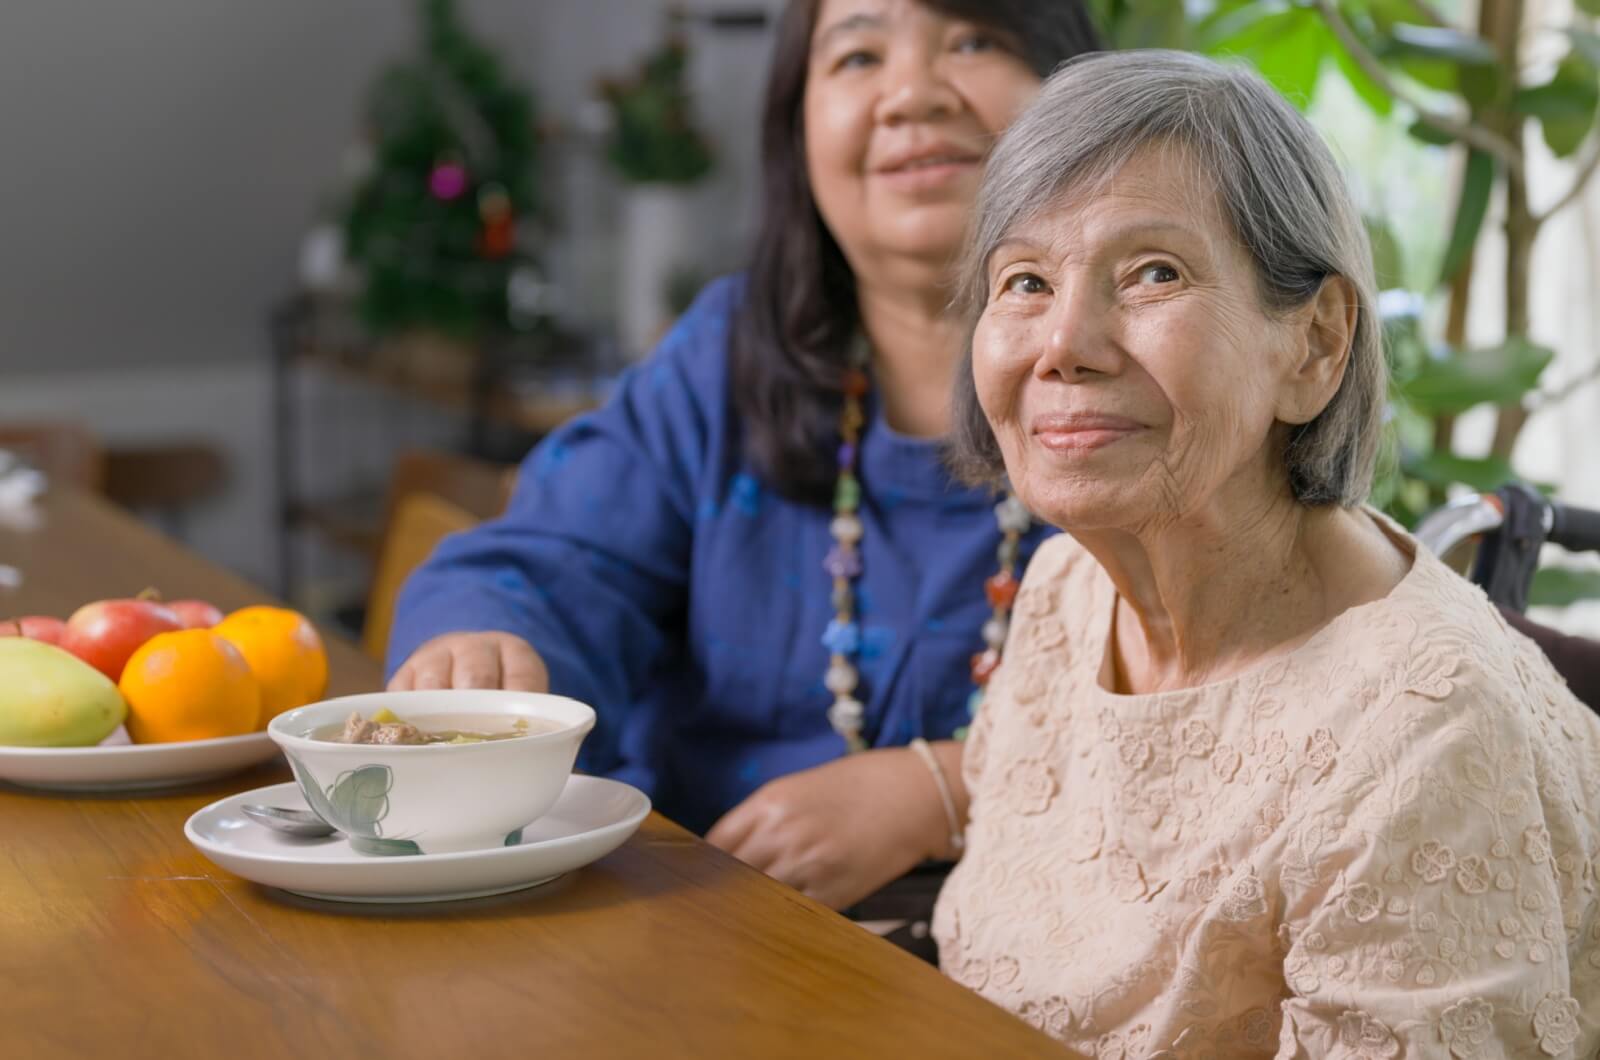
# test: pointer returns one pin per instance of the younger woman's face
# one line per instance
(902, 105)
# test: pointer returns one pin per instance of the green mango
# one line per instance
(51, 698)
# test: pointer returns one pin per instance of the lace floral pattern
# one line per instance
(1385, 844)
(1467, 1028)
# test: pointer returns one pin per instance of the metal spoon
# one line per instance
(295, 822)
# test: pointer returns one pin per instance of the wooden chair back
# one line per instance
(420, 522)
(431, 494)
(472, 485)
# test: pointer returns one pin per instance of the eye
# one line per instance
(857, 60)
(977, 42)
(1025, 283)
(1157, 274)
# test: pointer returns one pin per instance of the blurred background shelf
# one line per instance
(358, 424)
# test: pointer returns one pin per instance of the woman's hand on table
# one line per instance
(841, 831)
(473, 660)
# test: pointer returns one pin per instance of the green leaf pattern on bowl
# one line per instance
(356, 804)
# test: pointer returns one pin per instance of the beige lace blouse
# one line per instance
(1385, 843)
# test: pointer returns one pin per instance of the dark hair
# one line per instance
(791, 340)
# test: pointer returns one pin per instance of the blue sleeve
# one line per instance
(590, 562)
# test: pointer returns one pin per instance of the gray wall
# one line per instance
(162, 159)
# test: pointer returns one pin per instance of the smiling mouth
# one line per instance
(931, 162)
(1079, 435)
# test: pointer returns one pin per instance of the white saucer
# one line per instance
(114, 766)
(592, 818)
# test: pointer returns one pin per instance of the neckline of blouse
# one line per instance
(1124, 703)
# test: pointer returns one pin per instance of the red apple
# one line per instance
(105, 633)
(196, 614)
(34, 627)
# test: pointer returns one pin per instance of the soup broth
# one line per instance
(384, 727)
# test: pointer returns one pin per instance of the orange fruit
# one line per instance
(189, 684)
(285, 653)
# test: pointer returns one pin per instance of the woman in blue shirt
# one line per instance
(752, 560)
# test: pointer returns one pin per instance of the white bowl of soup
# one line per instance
(433, 772)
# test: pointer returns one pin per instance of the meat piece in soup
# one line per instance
(384, 727)
(371, 730)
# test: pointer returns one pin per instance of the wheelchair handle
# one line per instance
(1574, 529)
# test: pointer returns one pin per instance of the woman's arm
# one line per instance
(840, 831)
(1429, 910)
(1577, 659)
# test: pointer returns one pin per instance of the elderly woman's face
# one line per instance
(1124, 360)
(902, 105)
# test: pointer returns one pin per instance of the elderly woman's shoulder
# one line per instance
(1452, 645)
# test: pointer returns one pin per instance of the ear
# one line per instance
(1324, 331)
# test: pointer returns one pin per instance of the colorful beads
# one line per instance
(847, 494)
(842, 637)
(840, 678)
(845, 528)
(1012, 516)
(984, 664)
(842, 562)
(846, 716)
(995, 630)
(1001, 589)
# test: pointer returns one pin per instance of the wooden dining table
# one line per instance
(118, 939)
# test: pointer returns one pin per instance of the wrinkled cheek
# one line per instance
(999, 376)
(1001, 384)
(1205, 448)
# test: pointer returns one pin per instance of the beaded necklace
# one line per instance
(843, 564)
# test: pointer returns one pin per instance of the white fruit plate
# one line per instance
(118, 765)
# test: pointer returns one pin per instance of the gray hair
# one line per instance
(1277, 184)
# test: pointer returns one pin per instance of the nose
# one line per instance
(915, 90)
(1078, 341)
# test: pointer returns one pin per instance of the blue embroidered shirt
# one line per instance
(665, 584)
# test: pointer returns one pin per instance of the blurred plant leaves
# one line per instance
(1144, 23)
(1560, 586)
(1439, 44)
(1430, 134)
(1565, 105)
(1387, 263)
(1586, 45)
(1476, 184)
(1497, 374)
(1484, 474)
(1365, 88)
(1285, 44)
(1230, 22)
(1480, 85)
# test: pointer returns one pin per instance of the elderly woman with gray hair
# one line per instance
(1258, 776)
